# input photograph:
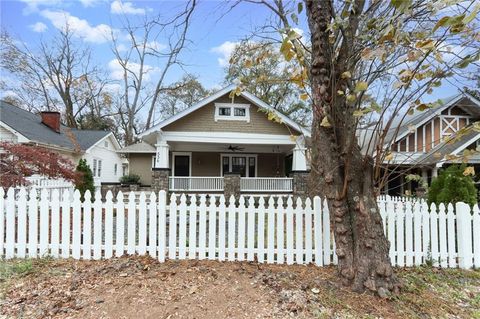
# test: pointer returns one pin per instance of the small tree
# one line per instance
(19, 161)
(452, 185)
(85, 182)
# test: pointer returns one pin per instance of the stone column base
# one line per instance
(231, 185)
(300, 183)
(160, 179)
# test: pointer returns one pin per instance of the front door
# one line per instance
(182, 165)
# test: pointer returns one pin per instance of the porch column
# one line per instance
(421, 190)
(299, 162)
(299, 169)
(435, 172)
(161, 169)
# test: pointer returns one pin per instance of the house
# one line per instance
(220, 140)
(426, 141)
(99, 148)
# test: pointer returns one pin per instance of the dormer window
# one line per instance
(232, 112)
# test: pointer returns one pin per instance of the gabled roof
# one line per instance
(418, 119)
(250, 97)
(141, 147)
(448, 147)
(31, 127)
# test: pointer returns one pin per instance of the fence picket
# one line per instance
(182, 233)
(76, 224)
(192, 230)
(231, 228)
(2, 220)
(326, 233)
(44, 219)
(142, 224)
(66, 213)
(162, 220)
(87, 226)
(434, 235)
(476, 232)
(172, 228)
(318, 231)
(202, 231)
(22, 223)
(426, 243)
(212, 228)
(451, 231)
(261, 230)
(271, 231)
(408, 234)
(221, 228)
(290, 231)
(299, 231)
(97, 226)
(277, 231)
(131, 224)
(108, 225)
(10, 224)
(120, 225)
(280, 231)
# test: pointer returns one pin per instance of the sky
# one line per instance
(213, 33)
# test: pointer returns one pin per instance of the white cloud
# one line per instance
(38, 27)
(119, 7)
(156, 46)
(225, 50)
(116, 70)
(81, 28)
(33, 5)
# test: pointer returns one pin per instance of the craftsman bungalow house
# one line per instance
(220, 136)
(425, 142)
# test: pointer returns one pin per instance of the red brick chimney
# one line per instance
(51, 119)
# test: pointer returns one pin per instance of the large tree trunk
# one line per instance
(340, 171)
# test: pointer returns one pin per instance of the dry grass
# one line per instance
(140, 287)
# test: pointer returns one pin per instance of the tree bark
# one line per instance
(340, 171)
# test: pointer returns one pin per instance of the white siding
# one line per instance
(109, 158)
(6, 135)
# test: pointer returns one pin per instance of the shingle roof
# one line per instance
(141, 147)
(30, 125)
(447, 147)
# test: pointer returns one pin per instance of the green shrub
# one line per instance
(86, 179)
(130, 179)
(453, 186)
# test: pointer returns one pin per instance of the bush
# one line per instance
(130, 179)
(86, 179)
(453, 186)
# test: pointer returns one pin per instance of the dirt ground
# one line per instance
(140, 287)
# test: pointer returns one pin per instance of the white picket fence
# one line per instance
(271, 231)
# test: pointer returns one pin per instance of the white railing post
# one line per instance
(464, 235)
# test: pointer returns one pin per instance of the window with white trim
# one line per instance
(232, 112)
(94, 167)
(115, 167)
(97, 168)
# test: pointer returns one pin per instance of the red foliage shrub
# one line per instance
(18, 161)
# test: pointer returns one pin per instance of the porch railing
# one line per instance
(266, 184)
(196, 184)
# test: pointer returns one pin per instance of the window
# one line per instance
(105, 144)
(232, 112)
(99, 170)
(224, 111)
(115, 169)
(245, 165)
(94, 167)
(240, 111)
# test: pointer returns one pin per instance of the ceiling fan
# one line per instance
(235, 148)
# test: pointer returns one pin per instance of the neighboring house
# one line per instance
(427, 140)
(99, 148)
(221, 136)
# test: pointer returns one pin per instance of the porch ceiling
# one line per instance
(224, 147)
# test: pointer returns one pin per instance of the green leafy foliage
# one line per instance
(130, 179)
(85, 182)
(453, 186)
